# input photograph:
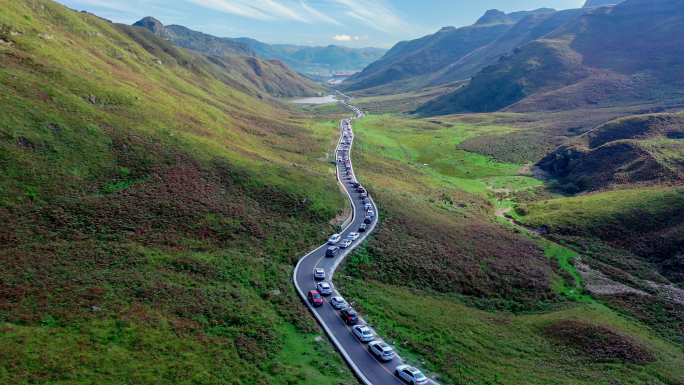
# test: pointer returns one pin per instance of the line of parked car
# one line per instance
(378, 348)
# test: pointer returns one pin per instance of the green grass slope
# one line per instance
(256, 77)
(149, 212)
(648, 222)
(629, 53)
(636, 149)
(466, 299)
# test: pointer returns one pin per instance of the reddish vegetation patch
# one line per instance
(664, 317)
(601, 343)
(471, 257)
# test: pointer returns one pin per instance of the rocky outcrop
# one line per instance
(155, 26)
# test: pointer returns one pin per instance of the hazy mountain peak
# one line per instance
(517, 16)
(494, 16)
(598, 3)
(448, 28)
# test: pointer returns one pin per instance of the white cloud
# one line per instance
(318, 15)
(375, 13)
(310, 41)
(349, 38)
(268, 10)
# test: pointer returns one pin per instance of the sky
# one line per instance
(352, 23)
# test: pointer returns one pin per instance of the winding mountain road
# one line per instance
(368, 368)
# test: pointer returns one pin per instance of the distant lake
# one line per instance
(314, 100)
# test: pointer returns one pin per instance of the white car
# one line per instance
(319, 273)
(411, 374)
(381, 350)
(324, 288)
(368, 206)
(334, 239)
(370, 213)
(363, 332)
(345, 243)
(338, 302)
(353, 236)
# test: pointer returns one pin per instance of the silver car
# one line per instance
(363, 332)
(338, 302)
(381, 350)
(324, 288)
(411, 374)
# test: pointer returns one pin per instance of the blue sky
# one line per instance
(353, 23)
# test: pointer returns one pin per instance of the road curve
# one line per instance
(368, 369)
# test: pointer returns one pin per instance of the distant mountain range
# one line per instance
(625, 54)
(299, 58)
(303, 57)
(446, 54)
(195, 40)
(598, 3)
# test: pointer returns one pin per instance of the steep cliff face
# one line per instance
(598, 3)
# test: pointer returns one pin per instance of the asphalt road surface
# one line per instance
(368, 368)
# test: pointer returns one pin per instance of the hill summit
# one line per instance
(494, 16)
(155, 26)
(599, 3)
(195, 40)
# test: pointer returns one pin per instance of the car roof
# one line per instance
(313, 291)
(337, 298)
(320, 269)
(323, 284)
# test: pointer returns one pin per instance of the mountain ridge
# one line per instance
(414, 64)
(195, 40)
(588, 61)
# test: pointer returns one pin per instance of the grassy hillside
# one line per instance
(580, 344)
(463, 295)
(648, 222)
(151, 213)
(630, 53)
(636, 149)
(256, 77)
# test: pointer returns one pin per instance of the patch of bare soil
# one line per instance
(597, 283)
(535, 171)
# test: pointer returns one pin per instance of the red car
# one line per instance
(315, 298)
(362, 228)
